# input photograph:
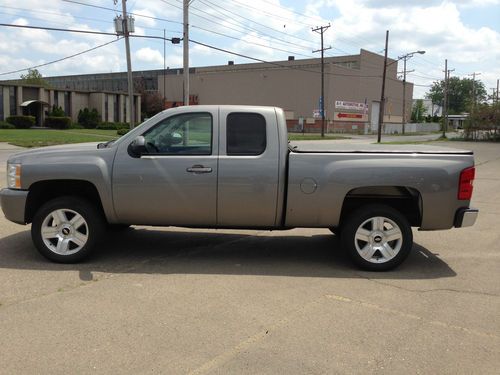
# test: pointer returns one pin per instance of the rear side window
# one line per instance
(246, 134)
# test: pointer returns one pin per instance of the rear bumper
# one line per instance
(14, 204)
(465, 217)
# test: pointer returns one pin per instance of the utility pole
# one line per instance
(321, 30)
(445, 106)
(164, 68)
(382, 96)
(404, 92)
(405, 58)
(186, 51)
(130, 82)
(497, 89)
(474, 89)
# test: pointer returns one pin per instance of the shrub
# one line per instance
(89, 119)
(122, 131)
(21, 122)
(56, 112)
(6, 125)
(112, 125)
(75, 125)
(56, 122)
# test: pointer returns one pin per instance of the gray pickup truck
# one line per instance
(232, 167)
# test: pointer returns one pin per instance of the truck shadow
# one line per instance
(148, 250)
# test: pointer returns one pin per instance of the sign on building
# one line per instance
(353, 106)
(317, 113)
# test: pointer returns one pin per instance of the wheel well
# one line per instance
(43, 191)
(406, 200)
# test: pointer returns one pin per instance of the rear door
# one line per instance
(248, 168)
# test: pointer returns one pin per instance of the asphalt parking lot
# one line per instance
(172, 300)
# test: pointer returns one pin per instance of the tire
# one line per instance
(66, 229)
(377, 237)
(335, 230)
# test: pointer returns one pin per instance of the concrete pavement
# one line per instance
(173, 300)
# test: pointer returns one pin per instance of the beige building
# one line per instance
(25, 99)
(352, 90)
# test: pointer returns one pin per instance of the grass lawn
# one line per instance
(48, 137)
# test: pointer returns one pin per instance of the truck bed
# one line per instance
(330, 147)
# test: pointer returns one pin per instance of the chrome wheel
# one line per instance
(64, 231)
(378, 239)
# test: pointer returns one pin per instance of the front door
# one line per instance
(175, 181)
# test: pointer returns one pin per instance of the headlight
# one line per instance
(14, 176)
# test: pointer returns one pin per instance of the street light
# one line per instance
(404, 58)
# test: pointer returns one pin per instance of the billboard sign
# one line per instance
(353, 106)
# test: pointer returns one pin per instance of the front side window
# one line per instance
(184, 134)
(246, 134)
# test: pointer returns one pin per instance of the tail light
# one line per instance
(466, 184)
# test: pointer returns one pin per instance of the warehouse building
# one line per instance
(352, 89)
(35, 100)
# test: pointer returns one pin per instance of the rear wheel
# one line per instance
(66, 229)
(377, 237)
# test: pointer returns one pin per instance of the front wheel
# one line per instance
(377, 237)
(66, 229)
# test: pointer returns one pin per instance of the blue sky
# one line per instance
(466, 32)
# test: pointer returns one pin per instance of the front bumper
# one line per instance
(465, 217)
(14, 204)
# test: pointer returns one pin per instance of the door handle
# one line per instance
(199, 169)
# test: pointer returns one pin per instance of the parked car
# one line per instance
(232, 167)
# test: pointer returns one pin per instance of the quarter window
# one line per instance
(184, 134)
(246, 134)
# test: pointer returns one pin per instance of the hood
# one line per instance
(59, 150)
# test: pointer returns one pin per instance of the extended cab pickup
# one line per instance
(232, 167)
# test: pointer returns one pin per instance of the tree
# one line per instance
(34, 77)
(152, 103)
(418, 111)
(460, 94)
(89, 119)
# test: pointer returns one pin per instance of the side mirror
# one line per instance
(137, 147)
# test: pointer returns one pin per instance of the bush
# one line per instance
(112, 125)
(89, 119)
(122, 131)
(21, 122)
(56, 122)
(56, 112)
(6, 125)
(75, 125)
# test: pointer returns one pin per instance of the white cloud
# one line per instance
(149, 55)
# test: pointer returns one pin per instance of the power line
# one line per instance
(61, 59)
(213, 6)
(271, 14)
(114, 10)
(199, 43)
(241, 27)
(80, 31)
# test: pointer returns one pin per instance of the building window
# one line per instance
(56, 99)
(246, 134)
(13, 100)
(67, 103)
(1, 104)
